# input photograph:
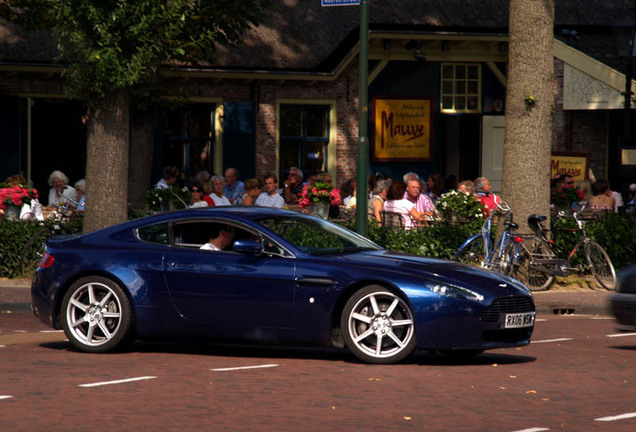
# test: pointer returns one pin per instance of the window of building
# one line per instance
(304, 137)
(461, 88)
(189, 138)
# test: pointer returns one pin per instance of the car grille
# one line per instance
(505, 306)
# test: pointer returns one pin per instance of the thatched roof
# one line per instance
(302, 35)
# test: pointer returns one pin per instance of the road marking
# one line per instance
(51, 331)
(5, 397)
(244, 367)
(20, 331)
(534, 429)
(117, 381)
(615, 335)
(552, 340)
(540, 320)
(617, 417)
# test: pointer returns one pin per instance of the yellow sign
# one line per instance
(402, 130)
(574, 164)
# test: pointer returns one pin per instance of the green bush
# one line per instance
(13, 237)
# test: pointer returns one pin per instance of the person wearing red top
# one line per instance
(485, 196)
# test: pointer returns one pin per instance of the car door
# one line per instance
(231, 290)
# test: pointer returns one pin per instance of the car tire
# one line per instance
(378, 326)
(97, 315)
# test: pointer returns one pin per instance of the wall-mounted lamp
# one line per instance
(414, 45)
(445, 45)
(419, 56)
(386, 44)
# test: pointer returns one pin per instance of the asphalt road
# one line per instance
(577, 375)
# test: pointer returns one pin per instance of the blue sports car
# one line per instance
(268, 276)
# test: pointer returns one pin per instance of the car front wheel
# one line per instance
(378, 326)
(96, 315)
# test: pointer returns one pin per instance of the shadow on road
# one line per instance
(422, 358)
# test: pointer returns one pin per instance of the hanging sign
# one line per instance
(402, 130)
(573, 164)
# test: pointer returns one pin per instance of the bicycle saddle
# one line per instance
(534, 222)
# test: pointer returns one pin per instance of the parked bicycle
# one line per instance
(481, 249)
(65, 220)
(537, 264)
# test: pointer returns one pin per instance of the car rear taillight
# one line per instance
(47, 261)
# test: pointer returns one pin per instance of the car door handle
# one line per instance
(315, 281)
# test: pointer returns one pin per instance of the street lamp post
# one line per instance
(362, 164)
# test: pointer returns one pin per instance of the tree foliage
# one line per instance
(110, 45)
(113, 50)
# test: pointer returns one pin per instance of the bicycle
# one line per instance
(537, 264)
(62, 221)
(480, 249)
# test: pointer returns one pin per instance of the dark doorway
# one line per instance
(58, 142)
(459, 145)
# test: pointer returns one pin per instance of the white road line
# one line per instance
(617, 417)
(3, 346)
(540, 320)
(534, 429)
(244, 367)
(615, 335)
(20, 331)
(51, 331)
(552, 340)
(117, 382)
(5, 397)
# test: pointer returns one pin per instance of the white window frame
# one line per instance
(454, 95)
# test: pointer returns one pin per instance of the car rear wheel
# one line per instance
(378, 326)
(97, 315)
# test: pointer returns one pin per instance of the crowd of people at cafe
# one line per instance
(412, 196)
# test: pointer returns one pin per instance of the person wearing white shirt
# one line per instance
(217, 191)
(220, 238)
(61, 192)
(271, 197)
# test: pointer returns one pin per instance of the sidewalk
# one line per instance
(15, 296)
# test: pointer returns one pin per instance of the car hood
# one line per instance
(440, 270)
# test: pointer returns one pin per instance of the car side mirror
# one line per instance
(247, 246)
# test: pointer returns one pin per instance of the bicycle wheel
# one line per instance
(506, 263)
(600, 265)
(472, 252)
(534, 279)
(33, 251)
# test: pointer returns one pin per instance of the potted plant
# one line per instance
(320, 196)
(12, 197)
(457, 206)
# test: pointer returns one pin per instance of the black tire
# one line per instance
(97, 315)
(600, 265)
(535, 280)
(472, 253)
(33, 251)
(378, 326)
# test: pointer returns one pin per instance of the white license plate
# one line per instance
(519, 320)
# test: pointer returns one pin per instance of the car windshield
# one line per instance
(317, 237)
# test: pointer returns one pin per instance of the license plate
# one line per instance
(519, 320)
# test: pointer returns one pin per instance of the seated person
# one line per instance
(61, 193)
(220, 238)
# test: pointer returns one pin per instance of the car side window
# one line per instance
(194, 234)
(158, 233)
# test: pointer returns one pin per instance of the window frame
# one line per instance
(454, 95)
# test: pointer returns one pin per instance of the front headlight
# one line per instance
(453, 291)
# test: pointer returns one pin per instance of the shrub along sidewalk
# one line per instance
(615, 232)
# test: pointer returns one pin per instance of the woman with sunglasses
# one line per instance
(196, 196)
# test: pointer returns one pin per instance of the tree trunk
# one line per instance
(141, 152)
(107, 163)
(529, 109)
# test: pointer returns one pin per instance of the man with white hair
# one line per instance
(487, 198)
(61, 193)
(293, 186)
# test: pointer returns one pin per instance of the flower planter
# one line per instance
(321, 209)
(12, 212)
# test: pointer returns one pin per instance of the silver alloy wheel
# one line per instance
(93, 314)
(381, 325)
